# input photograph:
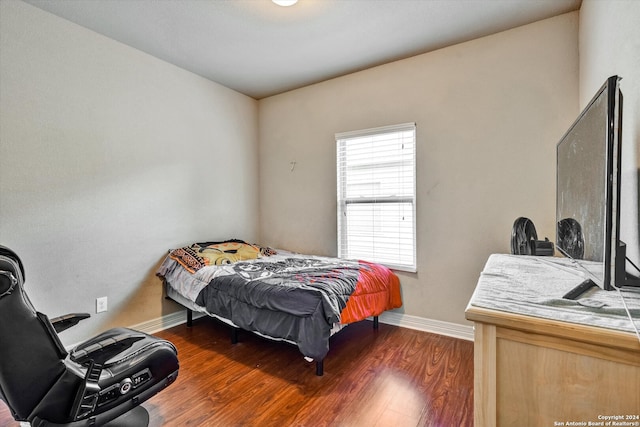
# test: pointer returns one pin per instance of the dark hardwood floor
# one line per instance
(389, 377)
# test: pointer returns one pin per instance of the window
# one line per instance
(377, 195)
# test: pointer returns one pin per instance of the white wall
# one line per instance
(489, 114)
(109, 157)
(610, 45)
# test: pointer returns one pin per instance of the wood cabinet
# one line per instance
(533, 371)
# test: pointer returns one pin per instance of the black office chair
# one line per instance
(103, 380)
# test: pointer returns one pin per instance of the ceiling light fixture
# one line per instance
(285, 2)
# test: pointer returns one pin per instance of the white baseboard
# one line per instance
(449, 329)
(165, 322)
(454, 330)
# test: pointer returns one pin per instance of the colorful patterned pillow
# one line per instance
(188, 258)
(199, 255)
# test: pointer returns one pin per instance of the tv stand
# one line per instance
(550, 368)
(622, 278)
(577, 292)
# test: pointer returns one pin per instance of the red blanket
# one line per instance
(377, 290)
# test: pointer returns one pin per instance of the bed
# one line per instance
(282, 295)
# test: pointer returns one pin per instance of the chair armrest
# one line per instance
(68, 320)
(100, 352)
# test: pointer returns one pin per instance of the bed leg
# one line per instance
(189, 318)
(234, 335)
(320, 368)
(376, 323)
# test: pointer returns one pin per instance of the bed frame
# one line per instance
(235, 329)
(311, 341)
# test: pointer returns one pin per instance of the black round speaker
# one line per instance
(523, 237)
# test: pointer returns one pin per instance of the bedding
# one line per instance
(280, 294)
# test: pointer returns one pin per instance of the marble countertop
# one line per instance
(534, 286)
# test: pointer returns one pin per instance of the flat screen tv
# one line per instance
(588, 190)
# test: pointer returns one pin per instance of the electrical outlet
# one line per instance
(101, 304)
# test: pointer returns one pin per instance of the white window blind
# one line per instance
(377, 195)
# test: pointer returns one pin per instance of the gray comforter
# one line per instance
(295, 299)
(288, 296)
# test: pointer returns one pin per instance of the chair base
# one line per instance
(137, 417)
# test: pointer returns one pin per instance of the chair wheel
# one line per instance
(137, 417)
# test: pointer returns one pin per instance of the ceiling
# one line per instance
(261, 49)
